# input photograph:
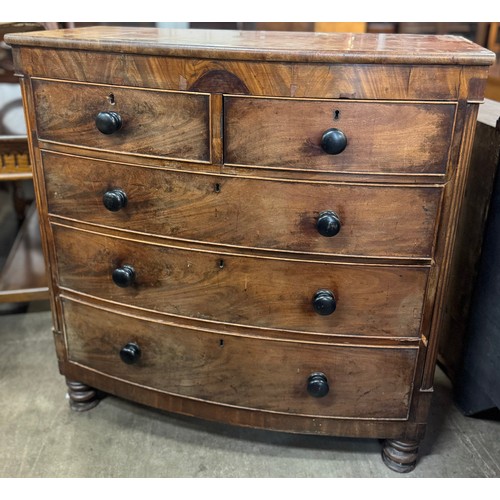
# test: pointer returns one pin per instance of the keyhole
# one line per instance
(336, 114)
(221, 264)
(217, 188)
(111, 99)
(221, 343)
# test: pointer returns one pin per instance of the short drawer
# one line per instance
(306, 296)
(292, 216)
(279, 376)
(156, 123)
(369, 137)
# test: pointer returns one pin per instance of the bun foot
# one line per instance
(81, 396)
(400, 456)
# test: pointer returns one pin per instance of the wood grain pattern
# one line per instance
(381, 137)
(241, 371)
(275, 215)
(174, 125)
(270, 293)
(360, 81)
(261, 45)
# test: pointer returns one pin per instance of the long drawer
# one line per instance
(347, 381)
(152, 122)
(377, 137)
(306, 296)
(388, 221)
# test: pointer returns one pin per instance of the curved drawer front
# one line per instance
(156, 123)
(261, 292)
(263, 374)
(374, 220)
(380, 137)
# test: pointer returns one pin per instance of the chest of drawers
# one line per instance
(249, 227)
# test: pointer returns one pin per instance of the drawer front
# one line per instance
(245, 372)
(156, 123)
(261, 292)
(374, 220)
(380, 137)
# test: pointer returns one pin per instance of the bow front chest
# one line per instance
(252, 227)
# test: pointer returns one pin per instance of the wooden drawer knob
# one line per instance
(317, 385)
(333, 141)
(328, 223)
(124, 276)
(130, 353)
(114, 200)
(108, 122)
(324, 302)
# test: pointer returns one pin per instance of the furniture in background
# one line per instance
(22, 277)
(470, 340)
(494, 38)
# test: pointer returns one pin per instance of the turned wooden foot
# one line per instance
(400, 456)
(81, 396)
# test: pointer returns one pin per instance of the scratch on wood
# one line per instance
(409, 81)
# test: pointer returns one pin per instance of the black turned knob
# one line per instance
(324, 302)
(124, 276)
(328, 223)
(108, 122)
(333, 141)
(317, 385)
(130, 353)
(114, 200)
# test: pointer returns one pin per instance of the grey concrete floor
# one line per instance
(42, 437)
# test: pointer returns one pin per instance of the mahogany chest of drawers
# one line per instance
(251, 227)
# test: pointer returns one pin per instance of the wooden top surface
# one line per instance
(265, 45)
